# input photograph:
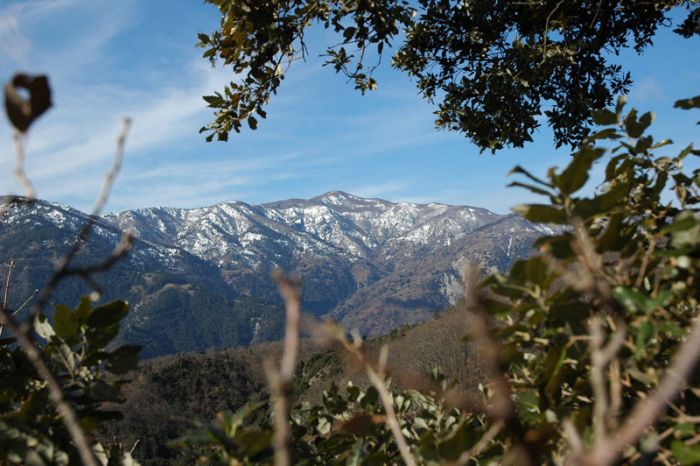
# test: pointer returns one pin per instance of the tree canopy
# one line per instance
(491, 67)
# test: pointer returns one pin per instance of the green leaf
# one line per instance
(232, 421)
(686, 455)
(460, 440)
(84, 309)
(541, 213)
(604, 117)
(252, 122)
(687, 104)
(681, 223)
(254, 441)
(635, 127)
(108, 314)
(576, 174)
(630, 299)
(530, 187)
(63, 354)
(65, 323)
(521, 171)
(685, 230)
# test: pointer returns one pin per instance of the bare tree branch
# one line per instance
(62, 269)
(20, 174)
(280, 379)
(601, 356)
(11, 266)
(648, 410)
(373, 374)
(483, 442)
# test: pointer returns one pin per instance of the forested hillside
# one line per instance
(168, 395)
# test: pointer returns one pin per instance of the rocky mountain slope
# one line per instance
(202, 274)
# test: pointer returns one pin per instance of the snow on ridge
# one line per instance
(334, 222)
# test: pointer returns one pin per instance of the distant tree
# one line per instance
(491, 66)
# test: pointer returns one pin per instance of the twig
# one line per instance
(546, 31)
(26, 301)
(391, 419)
(572, 436)
(20, 174)
(7, 287)
(62, 269)
(645, 263)
(479, 446)
(70, 419)
(280, 379)
(7, 282)
(19, 309)
(598, 365)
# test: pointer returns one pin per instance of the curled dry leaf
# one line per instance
(23, 111)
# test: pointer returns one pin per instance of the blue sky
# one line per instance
(110, 59)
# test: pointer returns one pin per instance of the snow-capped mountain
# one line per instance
(370, 263)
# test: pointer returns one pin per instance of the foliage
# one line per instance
(90, 374)
(166, 395)
(492, 66)
(631, 255)
(622, 268)
(346, 427)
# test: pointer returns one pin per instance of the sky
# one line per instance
(136, 58)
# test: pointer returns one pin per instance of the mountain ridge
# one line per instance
(367, 262)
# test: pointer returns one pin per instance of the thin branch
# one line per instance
(373, 374)
(483, 442)
(572, 436)
(280, 379)
(546, 31)
(601, 357)
(68, 415)
(7, 282)
(598, 365)
(645, 263)
(7, 288)
(26, 301)
(62, 269)
(20, 174)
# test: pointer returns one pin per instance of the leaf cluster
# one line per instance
(259, 40)
(91, 375)
(493, 68)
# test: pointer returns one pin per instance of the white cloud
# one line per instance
(646, 90)
(380, 189)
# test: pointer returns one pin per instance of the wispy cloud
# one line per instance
(646, 90)
(385, 189)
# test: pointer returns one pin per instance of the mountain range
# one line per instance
(200, 278)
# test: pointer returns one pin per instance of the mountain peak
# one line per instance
(336, 197)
